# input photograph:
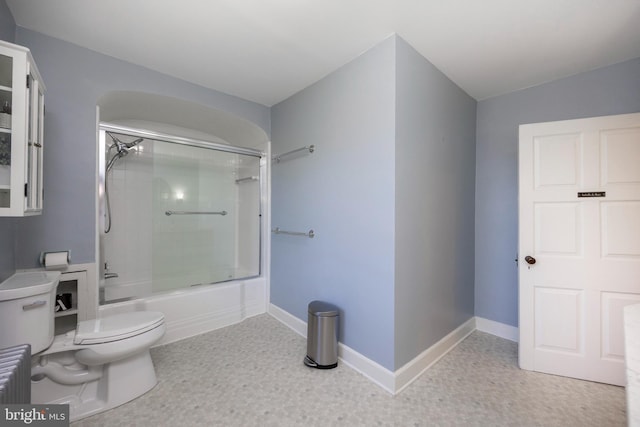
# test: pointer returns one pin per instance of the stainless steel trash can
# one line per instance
(322, 336)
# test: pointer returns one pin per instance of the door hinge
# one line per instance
(28, 82)
(26, 193)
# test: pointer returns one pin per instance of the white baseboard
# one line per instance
(288, 319)
(498, 329)
(367, 367)
(395, 382)
(392, 382)
(416, 367)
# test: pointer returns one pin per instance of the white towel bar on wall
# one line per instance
(308, 234)
(169, 213)
(277, 158)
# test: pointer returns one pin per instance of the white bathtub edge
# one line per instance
(200, 310)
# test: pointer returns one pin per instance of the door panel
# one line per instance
(620, 156)
(579, 214)
(558, 160)
(559, 314)
(558, 228)
(613, 304)
(621, 229)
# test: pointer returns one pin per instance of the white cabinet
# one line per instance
(21, 132)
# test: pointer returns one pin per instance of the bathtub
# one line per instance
(200, 309)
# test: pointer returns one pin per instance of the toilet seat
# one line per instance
(116, 327)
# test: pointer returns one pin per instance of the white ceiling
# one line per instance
(267, 50)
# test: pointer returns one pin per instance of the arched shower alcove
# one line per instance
(182, 212)
(177, 116)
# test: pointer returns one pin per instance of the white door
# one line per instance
(579, 222)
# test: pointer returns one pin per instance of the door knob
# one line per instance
(530, 260)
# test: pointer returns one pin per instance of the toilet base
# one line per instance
(121, 382)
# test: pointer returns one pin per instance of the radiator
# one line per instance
(15, 374)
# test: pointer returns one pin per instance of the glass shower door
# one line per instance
(205, 224)
(181, 216)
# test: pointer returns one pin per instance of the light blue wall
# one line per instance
(7, 23)
(610, 90)
(76, 78)
(435, 186)
(345, 192)
(390, 194)
(7, 225)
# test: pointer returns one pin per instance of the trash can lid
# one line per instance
(322, 309)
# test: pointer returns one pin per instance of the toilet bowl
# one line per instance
(102, 364)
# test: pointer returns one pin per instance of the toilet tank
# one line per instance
(27, 301)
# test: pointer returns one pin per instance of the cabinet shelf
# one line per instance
(71, 283)
(66, 312)
(5, 130)
(6, 88)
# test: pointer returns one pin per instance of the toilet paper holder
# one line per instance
(57, 259)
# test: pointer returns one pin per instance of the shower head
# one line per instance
(120, 146)
(132, 144)
(122, 149)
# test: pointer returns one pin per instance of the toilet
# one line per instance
(104, 363)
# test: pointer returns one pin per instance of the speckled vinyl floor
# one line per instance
(251, 374)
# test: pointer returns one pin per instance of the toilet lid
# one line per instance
(117, 326)
(28, 284)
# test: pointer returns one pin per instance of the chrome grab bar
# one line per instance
(278, 158)
(308, 234)
(169, 213)
(249, 178)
